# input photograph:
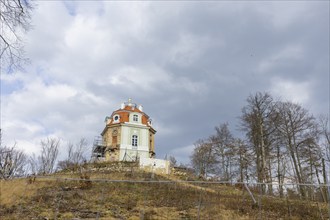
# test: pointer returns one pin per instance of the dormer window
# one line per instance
(116, 118)
(135, 118)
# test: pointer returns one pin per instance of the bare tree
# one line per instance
(297, 128)
(325, 131)
(203, 158)
(224, 150)
(173, 161)
(14, 19)
(12, 161)
(244, 159)
(257, 121)
(34, 165)
(49, 153)
(76, 154)
(325, 137)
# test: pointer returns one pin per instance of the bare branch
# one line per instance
(49, 153)
(14, 18)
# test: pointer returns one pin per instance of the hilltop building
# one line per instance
(128, 135)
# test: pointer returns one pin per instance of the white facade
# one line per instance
(128, 134)
(126, 147)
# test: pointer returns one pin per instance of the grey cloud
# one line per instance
(190, 64)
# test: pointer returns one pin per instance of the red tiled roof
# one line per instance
(125, 112)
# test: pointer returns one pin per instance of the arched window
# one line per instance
(135, 141)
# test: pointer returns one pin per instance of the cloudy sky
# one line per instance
(190, 64)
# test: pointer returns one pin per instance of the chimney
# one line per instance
(129, 102)
(122, 106)
(140, 107)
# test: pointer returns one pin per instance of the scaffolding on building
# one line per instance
(98, 148)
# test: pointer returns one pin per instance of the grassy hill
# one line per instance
(116, 191)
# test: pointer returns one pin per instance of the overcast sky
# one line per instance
(190, 64)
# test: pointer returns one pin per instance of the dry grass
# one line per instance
(65, 199)
(16, 190)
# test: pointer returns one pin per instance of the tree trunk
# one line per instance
(292, 154)
(263, 156)
(269, 179)
(323, 194)
(279, 179)
(325, 179)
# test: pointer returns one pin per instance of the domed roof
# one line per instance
(122, 115)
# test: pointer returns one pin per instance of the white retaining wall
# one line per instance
(155, 165)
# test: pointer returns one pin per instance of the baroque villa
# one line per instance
(127, 135)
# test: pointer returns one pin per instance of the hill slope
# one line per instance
(108, 193)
